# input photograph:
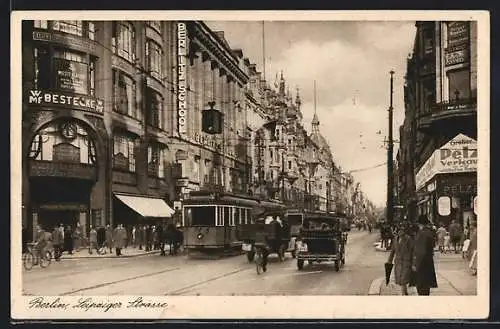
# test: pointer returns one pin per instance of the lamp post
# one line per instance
(390, 177)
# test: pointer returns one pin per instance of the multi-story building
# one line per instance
(438, 154)
(95, 121)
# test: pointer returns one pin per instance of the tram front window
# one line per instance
(200, 216)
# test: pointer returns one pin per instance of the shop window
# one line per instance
(124, 94)
(155, 108)
(123, 42)
(123, 153)
(156, 160)
(155, 25)
(459, 84)
(153, 58)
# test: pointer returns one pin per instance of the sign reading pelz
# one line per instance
(181, 76)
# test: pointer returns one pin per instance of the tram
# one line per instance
(210, 221)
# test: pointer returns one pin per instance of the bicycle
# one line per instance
(32, 257)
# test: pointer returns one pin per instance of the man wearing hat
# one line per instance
(423, 257)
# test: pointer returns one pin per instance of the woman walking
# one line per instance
(401, 254)
(423, 258)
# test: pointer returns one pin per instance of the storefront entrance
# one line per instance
(56, 201)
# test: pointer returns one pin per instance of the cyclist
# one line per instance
(41, 244)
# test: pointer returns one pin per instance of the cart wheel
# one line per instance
(259, 260)
(294, 254)
(28, 261)
(337, 266)
(250, 256)
(300, 264)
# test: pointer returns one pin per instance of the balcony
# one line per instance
(442, 113)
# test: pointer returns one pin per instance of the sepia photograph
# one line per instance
(208, 164)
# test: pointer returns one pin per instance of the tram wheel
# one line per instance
(300, 264)
(250, 256)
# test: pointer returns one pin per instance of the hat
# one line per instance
(423, 220)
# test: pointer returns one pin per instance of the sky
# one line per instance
(350, 62)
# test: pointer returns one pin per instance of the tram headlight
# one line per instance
(200, 236)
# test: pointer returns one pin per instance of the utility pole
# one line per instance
(390, 177)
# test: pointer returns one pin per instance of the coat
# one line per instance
(119, 237)
(109, 236)
(402, 253)
(57, 238)
(423, 254)
(93, 236)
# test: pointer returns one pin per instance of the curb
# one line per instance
(109, 256)
(376, 286)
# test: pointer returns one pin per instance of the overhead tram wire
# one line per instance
(367, 168)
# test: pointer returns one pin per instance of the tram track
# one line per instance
(209, 280)
(105, 284)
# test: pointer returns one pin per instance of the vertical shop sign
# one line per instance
(181, 77)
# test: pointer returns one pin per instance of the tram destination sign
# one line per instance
(67, 100)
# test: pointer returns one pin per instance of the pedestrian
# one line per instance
(57, 240)
(148, 235)
(68, 240)
(140, 237)
(134, 236)
(441, 234)
(93, 240)
(401, 254)
(455, 235)
(109, 238)
(423, 258)
(117, 240)
(77, 237)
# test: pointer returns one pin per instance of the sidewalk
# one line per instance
(126, 253)
(453, 279)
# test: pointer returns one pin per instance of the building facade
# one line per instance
(112, 125)
(438, 152)
(95, 123)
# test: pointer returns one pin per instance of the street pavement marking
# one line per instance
(179, 291)
(120, 281)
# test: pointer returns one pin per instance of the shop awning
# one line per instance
(146, 206)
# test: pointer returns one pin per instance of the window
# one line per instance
(155, 107)
(153, 57)
(40, 24)
(459, 84)
(156, 160)
(69, 71)
(289, 164)
(199, 216)
(155, 25)
(71, 27)
(123, 153)
(72, 72)
(91, 27)
(271, 154)
(124, 94)
(228, 216)
(197, 168)
(220, 217)
(123, 42)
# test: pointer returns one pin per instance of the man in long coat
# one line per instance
(57, 240)
(401, 254)
(109, 238)
(423, 254)
(119, 236)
